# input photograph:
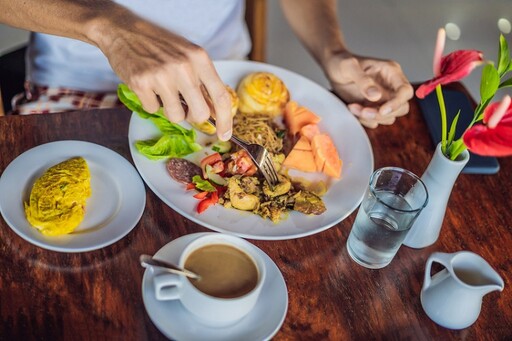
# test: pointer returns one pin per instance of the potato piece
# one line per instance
(281, 188)
(239, 198)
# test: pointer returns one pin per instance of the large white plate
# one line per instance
(342, 198)
(117, 201)
(173, 320)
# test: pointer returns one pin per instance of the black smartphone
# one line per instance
(455, 100)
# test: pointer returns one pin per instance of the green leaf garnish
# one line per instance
(202, 184)
(176, 141)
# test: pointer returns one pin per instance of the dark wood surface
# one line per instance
(97, 295)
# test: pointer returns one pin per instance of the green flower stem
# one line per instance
(458, 146)
(442, 108)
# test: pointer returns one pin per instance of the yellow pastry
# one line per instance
(262, 93)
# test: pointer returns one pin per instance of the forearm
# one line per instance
(316, 25)
(86, 20)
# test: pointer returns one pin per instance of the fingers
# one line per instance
(363, 113)
(178, 70)
(221, 101)
(222, 104)
(148, 98)
(402, 93)
(173, 109)
(365, 83)
(198, 109)
(371, 117)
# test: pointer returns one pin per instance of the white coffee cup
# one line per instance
(211, 310)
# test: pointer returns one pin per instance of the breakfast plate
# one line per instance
(117, 200)
(176, 323)
(341, 199)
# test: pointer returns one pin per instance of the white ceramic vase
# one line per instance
(439, 177)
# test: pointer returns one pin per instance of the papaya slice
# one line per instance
(302, 160)
(296, 117)
(326, 155)
(309, 131)
(301, 157)
(302, 144)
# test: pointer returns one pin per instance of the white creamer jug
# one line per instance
(453, 297)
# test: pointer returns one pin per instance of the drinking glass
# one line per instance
(393, 200)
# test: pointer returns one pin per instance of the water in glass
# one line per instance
(378, 231)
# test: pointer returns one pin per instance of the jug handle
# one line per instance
(440, 257)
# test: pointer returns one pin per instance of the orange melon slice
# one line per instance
(296, 117)
(301, 157)
(303, 144)
(326, 156)
(289, 109)
(309, 131)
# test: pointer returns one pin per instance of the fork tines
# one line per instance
(259, 155)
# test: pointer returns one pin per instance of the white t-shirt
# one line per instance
(216, 25)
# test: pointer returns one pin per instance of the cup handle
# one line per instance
(440, 257)
(167, 286)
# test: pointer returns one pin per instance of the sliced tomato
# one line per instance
(215, 161)
(210, 200)
(190, 186)
(244, 164)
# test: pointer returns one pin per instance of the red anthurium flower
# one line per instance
(454, 67)
(495, 138)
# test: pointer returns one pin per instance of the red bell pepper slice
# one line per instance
(210, 200)
(201, 195)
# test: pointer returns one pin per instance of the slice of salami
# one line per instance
(182, 170)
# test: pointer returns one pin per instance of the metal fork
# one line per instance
(259, 155)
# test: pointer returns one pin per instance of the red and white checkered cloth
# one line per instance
(42, 100)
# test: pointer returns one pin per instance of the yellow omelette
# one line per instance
(57, 201)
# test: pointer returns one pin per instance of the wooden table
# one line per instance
(97, 295)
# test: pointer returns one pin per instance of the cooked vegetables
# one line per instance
(249, 194)
(239, 198)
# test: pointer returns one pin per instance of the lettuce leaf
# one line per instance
(166, 146)
(176, 141)
(202, 184)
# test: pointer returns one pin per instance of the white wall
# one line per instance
(401, 30)
(11, 38)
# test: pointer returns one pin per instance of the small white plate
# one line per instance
(117, 201)
(342, 198)
(175, 322)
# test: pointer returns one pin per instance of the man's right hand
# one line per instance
(159, 66)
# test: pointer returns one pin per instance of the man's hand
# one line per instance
(159, 66)
(376, 91)
(156, 64)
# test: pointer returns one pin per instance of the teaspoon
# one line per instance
(148, 261)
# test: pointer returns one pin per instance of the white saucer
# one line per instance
(175, 322)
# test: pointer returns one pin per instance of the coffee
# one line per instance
(226, 272)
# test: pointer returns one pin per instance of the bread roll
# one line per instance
(262, 93)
